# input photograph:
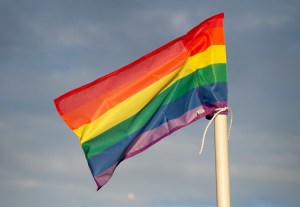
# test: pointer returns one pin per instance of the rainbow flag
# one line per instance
(123, 113)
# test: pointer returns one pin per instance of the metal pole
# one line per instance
(222, 169)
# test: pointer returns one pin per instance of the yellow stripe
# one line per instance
(124, 110)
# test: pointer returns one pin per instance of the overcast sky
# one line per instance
(50, 47)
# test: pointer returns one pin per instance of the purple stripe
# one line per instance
(151, 137)
(104, 177)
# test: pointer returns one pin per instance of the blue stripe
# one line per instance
(192, 99)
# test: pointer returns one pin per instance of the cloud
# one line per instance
(76, 35)
(253, 21)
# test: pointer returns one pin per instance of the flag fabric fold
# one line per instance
(123, 113)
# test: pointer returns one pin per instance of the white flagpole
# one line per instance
(222, 169)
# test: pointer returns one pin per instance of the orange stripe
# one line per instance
(213, 36)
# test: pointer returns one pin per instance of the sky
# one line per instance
(50, 47)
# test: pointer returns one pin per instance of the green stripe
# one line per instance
(201, 77)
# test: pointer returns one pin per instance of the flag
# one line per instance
(123, 113)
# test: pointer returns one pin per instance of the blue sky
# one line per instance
(50, 47)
